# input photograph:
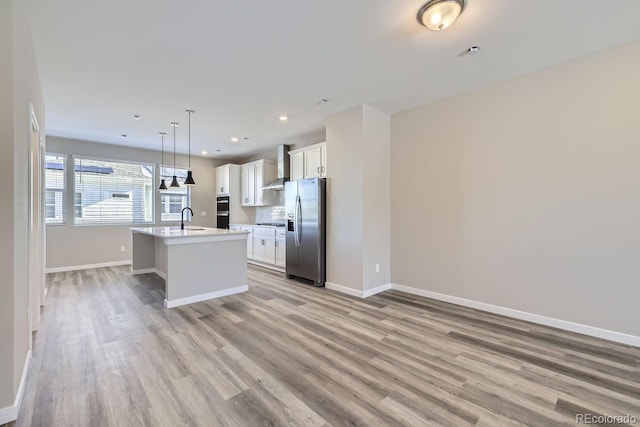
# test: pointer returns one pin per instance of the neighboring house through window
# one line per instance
(110, 192)
(173, 200)
(54, 176)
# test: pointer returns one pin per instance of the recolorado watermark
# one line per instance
(605, 419)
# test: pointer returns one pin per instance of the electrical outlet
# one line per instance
(377, 268)
(203, 213)
(122, 248)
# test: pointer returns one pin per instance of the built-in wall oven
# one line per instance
(222, 212)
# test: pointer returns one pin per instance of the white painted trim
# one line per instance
(357, 292)
(349, 291)
(88, 266)
(376, 290)
(143, 271)
(523, 315)
(10, 413)
(205, 297)
(147, 271)
(266, 265)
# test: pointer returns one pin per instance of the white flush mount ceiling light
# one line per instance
(437, 15)
(234, 139)
(283, 118)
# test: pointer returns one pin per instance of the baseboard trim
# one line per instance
(523, 315)
(266, 265)
(376, 290)
(147, 271)
(205, 297)
(344, 289)
(356, 292)
(10, 413)
(87, 266)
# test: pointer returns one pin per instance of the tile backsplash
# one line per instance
(270, 213)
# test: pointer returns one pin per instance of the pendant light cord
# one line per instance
(174, 150)
(162, 161)
(190, 139)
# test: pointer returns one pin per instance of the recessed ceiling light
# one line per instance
(218, 150)
(246, 138)
(323, 101)
(205, 152)
(283, 118)
(473, 50)
(136, 117)
(234, 139)
(124, 135)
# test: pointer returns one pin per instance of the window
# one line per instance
(54, 189)
(77, 205)
(173, 200)
(108, 192)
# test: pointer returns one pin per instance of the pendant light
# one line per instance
(163, 185)
(189, 182)
(174, 181)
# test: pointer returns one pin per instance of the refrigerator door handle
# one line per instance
(295, 223)
(298, 219)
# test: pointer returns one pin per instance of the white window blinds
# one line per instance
(108, 192)
(54, 177)
(172, 200)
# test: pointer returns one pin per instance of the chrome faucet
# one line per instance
(182, 217)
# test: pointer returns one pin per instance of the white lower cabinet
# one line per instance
(249, 240)
(265, 245)
(281, 248)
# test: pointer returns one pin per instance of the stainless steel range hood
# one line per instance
(283, 170)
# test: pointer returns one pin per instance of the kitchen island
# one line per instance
(196, 263)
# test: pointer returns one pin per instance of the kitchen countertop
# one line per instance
(261, 226)
(191, 232)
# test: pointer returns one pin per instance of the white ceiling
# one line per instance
(241, 63)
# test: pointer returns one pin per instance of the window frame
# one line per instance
(148, 165)
(168, 193)
(63, 191)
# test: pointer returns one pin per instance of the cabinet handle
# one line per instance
(246, 200)
(221, 190)
(260, 199)
(322, 167)
(318, 169)
(276, 243)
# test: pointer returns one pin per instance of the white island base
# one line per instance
(197, 264)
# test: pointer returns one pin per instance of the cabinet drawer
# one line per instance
(281, 233)
(264, 231)
(249, 229)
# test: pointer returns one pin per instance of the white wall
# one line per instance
(358, 214)
(7, 392)
(344, 199)
(376, 221)
(19, 85)
(69, 245)
(526, 194)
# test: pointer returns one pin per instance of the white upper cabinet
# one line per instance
(223, 179)
(309, 162)
(297, 166)
(254, 176)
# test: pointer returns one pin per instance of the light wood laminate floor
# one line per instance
(109, 354)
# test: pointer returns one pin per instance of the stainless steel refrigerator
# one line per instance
(306, 229)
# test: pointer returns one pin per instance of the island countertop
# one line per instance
(191, 232)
